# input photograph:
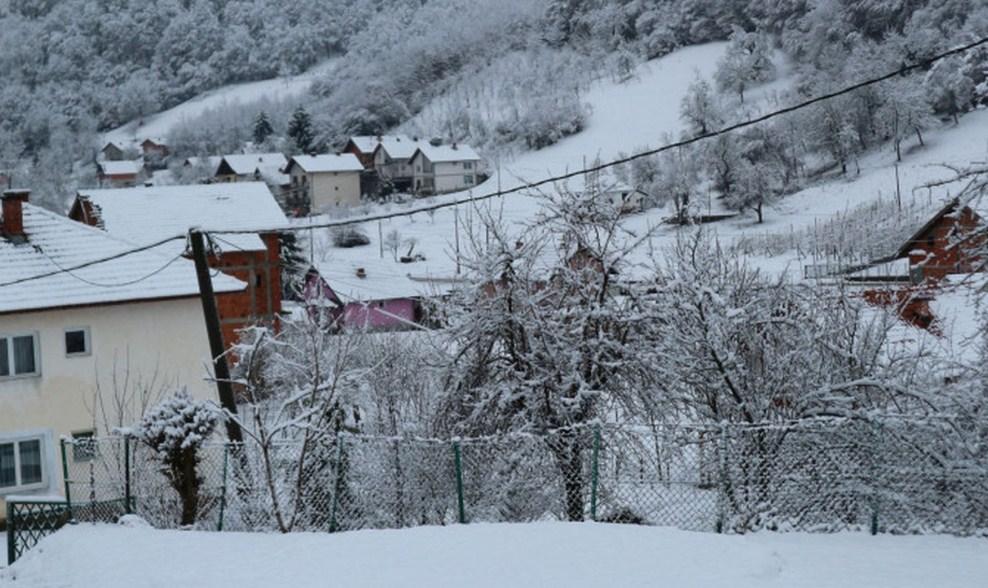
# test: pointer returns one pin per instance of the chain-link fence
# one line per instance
(901, 476)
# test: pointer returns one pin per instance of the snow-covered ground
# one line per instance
(544, 554)
(159, 125)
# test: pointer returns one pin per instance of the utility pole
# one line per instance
(216, 347)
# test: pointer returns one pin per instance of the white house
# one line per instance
(253, 167)
(77, 327)
(119, 174)
(393, 160)
(444, 168)
(324, 182)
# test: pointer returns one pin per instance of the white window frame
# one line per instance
(467, 165)
(10, 355)
(16, 440)
(89, 342)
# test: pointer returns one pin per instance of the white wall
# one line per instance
(451, 176)
(330, 189)
(160, 345)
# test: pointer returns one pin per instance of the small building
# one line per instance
(363, 147)
(147, 214)
(253, 167)
(323, 182)
(393, 161)
(438, 169)
(113, 151)
(117, 330)
(119, 174)
(950, 242)
(154, 149)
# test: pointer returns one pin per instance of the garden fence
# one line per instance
(901, 476)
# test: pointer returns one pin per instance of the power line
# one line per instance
(530, 185)
(63, 270)
(70, 272)
(600, 167)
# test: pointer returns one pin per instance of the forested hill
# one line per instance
(510, 72)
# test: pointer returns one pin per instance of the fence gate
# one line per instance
(29, 520)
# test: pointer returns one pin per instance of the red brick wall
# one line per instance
(366, 159)
(261, 300)
(938, 250)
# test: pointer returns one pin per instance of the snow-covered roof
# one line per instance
(244, 164)
(121, 168)
(397, 146)
(155, 140)
(366, 143)
(211, 162)
(329, 162)
(149, 213)
(448, 153)
(118, 144)
(55, 243)
(269, 165)
(384, 277)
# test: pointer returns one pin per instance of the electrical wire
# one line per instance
(72, 273)
(923, 63)
(648, 153)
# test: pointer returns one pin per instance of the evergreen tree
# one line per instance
(300, 130)
(262, 128)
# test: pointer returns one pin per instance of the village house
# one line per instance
(323, 182)
(147, 214)
(256, 167)
(363, 147)
(123, 330)
(438, 169)
(119, 174)
(393, 161)
(113, 151)
(155, 152)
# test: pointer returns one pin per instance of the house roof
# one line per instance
(315, 164)
(211, 162)
(398, 146)
(269, 165)
(447, 153)
(120, 168)
(978, 203)
(148, 213)
(119, 145)
(56, 242)
(156, 140)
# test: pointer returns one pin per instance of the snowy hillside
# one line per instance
(246, 94)
(547, 554)
(635, 114)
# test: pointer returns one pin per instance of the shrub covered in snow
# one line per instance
(175, 430)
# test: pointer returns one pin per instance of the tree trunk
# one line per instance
(568, 452)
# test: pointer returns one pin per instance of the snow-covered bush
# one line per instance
(176, 430)
(349, 236)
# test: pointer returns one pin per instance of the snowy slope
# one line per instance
(159, 125)
(544, 554)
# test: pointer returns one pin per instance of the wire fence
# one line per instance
(898, 477)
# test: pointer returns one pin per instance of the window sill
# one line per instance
(15, 490)
(19, 377)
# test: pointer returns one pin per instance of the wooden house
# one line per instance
(119, 174)
(113, 151)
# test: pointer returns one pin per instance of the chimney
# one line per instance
(13, 214)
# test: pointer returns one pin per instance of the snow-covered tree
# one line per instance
(262, 128)
(748, 61)
(300, 131)
(700, 109)
(905, 112)
(176, 431)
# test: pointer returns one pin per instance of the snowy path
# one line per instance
(547, 554)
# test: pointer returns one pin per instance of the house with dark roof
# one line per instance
(90, 333)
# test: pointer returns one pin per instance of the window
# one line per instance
(468, 180)
(18, 356)
(467, 165)
(77, 341)
(20, 464)
(83, 446)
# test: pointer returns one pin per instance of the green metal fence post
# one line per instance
(128, 506)
(336, 482)
(594, 472)
(226, 455)
(458, 465)
(723, 475)
(11, 536)
(67, 482)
